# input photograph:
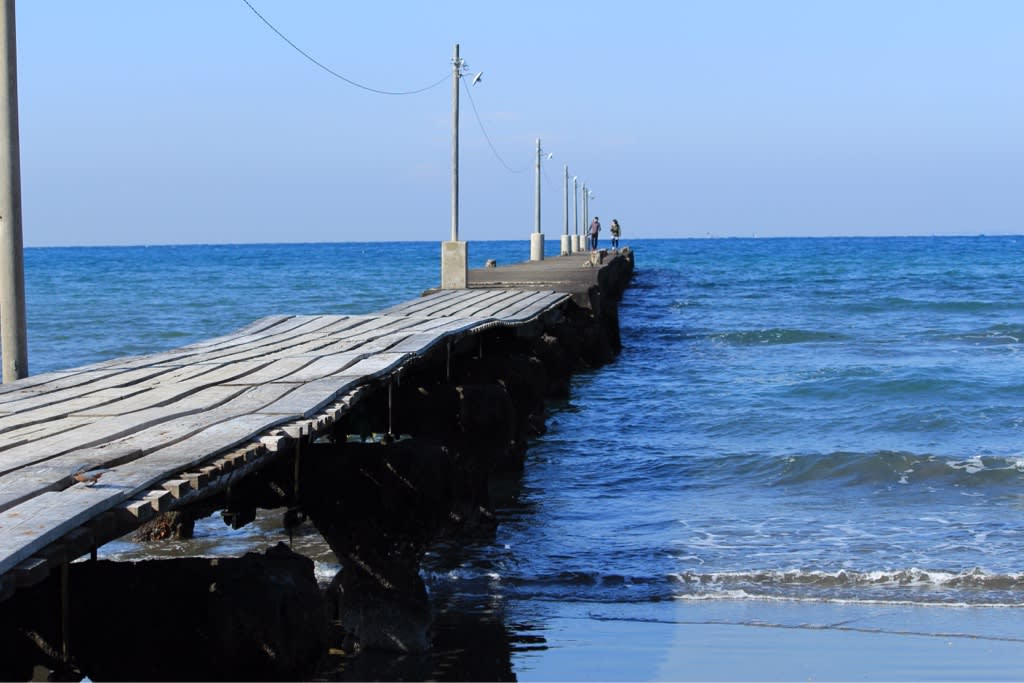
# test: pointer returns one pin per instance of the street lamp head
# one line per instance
(477, 77)
(551, 156)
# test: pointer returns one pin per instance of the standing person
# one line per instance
(615, 229)
(595, 228)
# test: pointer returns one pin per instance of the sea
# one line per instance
(826, 425)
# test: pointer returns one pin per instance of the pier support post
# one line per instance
(566, 245)
(537, 246)
(454, 265)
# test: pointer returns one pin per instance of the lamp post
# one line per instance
(575, 214)
(566, 248)
(455, 254)
(587, 198)
(585, 246)
(537, 238)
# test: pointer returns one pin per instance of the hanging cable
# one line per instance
(547, 179)
(488, 138)
(335, 73)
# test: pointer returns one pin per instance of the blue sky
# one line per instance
(192, 122)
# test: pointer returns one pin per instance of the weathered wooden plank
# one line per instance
(34, 431)
(56, 474)
(290, 345)
(467, 308)
(110, 429)
(375, 366)
(431, 332)
(306, 399)
(17, 485)
(190, 453)
(51, 381)
(324, 366)
(484, 307)
(424, 302)
(264, 346)
(530, 305)
(437, 303)
(117, 380)
(455, 326)
(31, 526)
(487, 309)
(255, 327)
(274, 371)
(26, 528)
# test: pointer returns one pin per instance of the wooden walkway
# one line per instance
(182, 423)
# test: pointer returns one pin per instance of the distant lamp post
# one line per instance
(576, 213)
(455, 254)
(537, 238)
(566, 238)
(585, 232)
(587, 196)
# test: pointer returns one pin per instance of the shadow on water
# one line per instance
(471, 639)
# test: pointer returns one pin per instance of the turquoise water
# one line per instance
(813, 421)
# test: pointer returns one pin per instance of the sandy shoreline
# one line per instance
(763, 641)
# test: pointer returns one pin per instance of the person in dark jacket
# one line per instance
(595, 229)
(615, 230)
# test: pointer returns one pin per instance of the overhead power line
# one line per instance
(335, 73)
(488, 137)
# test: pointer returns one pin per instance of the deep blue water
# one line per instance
(814, 420)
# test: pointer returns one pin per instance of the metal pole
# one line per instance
(536, 203)
(13, 337)
(456, 72)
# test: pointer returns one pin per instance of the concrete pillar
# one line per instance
(566, 245)
(537, 246)
(13, 336)
(454, 265)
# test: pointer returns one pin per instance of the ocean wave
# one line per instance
(994, 335)
(898, 467)
(775, 335)
(904, 586)
(897, 304)
(913, 576)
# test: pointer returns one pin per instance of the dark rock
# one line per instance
(258, 617)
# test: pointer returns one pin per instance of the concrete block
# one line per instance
(454, 265)
(537, 246)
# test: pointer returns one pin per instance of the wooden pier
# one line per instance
(89, 454)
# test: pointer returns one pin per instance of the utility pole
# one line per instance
(586, 219)
(13, 338)
(455, 254)
(537, 238)
(566, 249)
(576, 213)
